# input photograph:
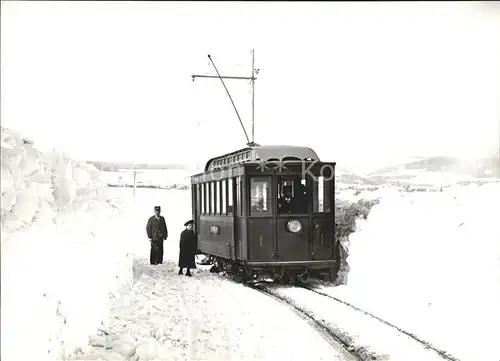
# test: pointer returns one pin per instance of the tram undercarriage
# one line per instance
(282, 274)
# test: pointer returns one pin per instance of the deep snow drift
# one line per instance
(63, 251)
(430, 263)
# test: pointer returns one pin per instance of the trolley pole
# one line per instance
(252, 78)
(198, 166)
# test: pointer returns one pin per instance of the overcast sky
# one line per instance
(361, 83)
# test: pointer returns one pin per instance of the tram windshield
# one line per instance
(296, 193)
(292, 195)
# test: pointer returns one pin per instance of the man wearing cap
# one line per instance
(187, 248)
(157, 233)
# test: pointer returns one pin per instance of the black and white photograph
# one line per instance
(250, 180)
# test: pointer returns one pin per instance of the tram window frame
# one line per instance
(323, 195)
(230, 200)
(267, 200)
(223, 197)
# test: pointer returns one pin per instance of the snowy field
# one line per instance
(430, 263)
(436, 258)
(427, 262)
(149, 177)
(176, 208)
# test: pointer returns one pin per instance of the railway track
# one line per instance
(399, 344)
(333, 337)
(443, 354)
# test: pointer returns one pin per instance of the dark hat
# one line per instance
(188, 222)
(157, 208)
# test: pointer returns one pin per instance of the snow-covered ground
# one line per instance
(430, 263)
(435, 255)
(164, 316)
(371, 338)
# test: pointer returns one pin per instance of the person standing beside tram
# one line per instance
(157, 232)
(187, 248)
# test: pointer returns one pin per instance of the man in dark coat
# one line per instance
(286, 202)
(157, 233)
(187, 248)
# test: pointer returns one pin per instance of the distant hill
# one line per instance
(485, 167)
(424, 170)
(416, 170)
(347, 176)
(115, 166)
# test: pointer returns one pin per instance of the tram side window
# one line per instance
(212, 198)
(238, 196)
(198, 199)
(205, 198)
(322, 195)
(293, 197)
(202, 197)
(217, 197)
(223, 209)
(260, 195)
(230, 196)
(208, 208)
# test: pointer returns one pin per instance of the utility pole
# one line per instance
(253, 95)
(252, 78)
(135, 177)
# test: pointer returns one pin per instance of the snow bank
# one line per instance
(63, 250)
(430, 262)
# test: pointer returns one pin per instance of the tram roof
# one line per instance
(262, 153)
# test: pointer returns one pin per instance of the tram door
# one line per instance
(261, 219)
(292, 226)
(197, 207)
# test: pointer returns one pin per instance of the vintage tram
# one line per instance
(268, 211)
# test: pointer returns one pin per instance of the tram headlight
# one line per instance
(294, 226)
(214, 229)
